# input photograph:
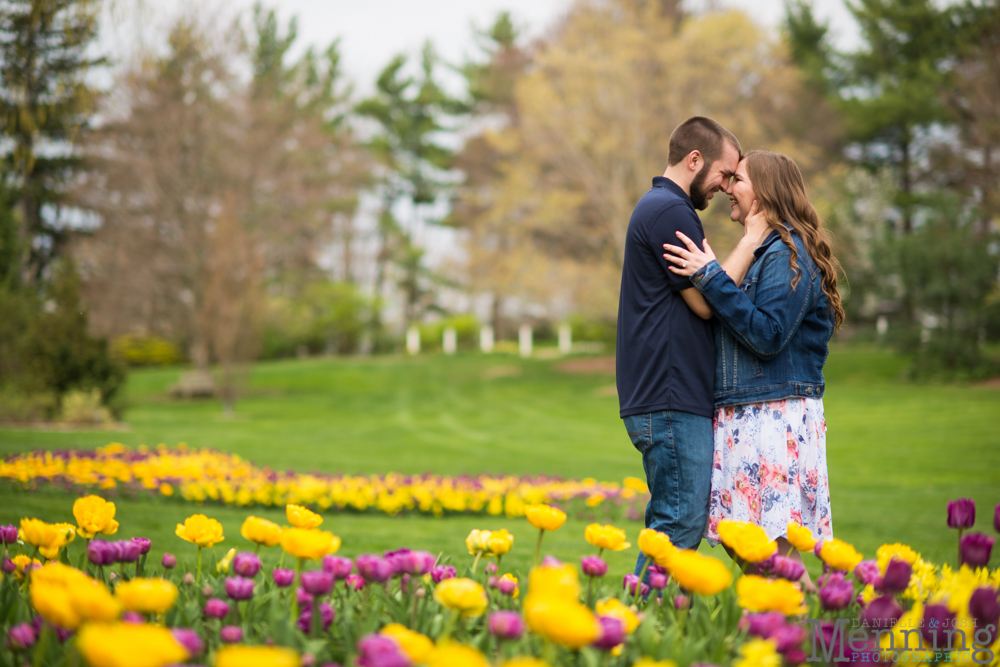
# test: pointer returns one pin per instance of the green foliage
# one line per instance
(326, 317)
(595, 329)
(466, 326)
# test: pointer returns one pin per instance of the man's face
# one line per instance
(714, 177)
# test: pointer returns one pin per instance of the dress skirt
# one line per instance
(769, 467)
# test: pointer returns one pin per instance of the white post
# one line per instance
(450, 342)
(413, 340)
(486, 339)
(881, 325)
(565, 339)
(524, 340)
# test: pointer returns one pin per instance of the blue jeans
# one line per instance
(676, 450)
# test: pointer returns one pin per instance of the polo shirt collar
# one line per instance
(664, 182)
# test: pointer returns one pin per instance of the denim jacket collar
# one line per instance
(769, 240)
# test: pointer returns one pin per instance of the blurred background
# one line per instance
(388, 236)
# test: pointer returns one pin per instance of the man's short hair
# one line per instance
(701, 134)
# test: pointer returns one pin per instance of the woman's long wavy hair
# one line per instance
(781, 193)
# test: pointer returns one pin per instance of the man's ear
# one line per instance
(694, 160)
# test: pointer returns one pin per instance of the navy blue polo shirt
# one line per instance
(666, 353)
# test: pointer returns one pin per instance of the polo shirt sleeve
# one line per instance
(673, 219)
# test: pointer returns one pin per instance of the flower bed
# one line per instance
(288, 600)
(205, 475)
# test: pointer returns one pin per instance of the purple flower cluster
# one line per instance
(612, 633)
(379, 651)
(593, 566)
(631, 582)
(442, 572)
(836, 591)
(337, 566)
(8, 535)
(239, 588)
(326, 612)
(100, 552)
(787, 637)
(374, 568)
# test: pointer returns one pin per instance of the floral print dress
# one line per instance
(769, 467)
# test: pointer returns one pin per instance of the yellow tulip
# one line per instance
(94, 515)
(761, 594)
(839, 555)
(525, 661)
(52, 602)
(657, 546)
(606, 537)
(261, 531)
(301, 517)
(565, 622)
(64, 534)
(500, 542)
(147, 596)
(800, 537)
(478, 541)
(414, 644)
(758, 653)
(222, 567)
(456, 655)
(558, 581)
(22, 561)
(92, 602)
(886, 552)
(646, 661)
(545, 517)
(128, 645)
(615, 608)
(462, 594)
(700, 574)
(509, 577)
(200, 530)
(37, 533)
(748, 540)
(309, 543)
(256, 656)
(636, 484)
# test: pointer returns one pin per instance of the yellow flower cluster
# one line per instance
(462, 595)
(49, 538)
(606, 537)
(748, 540)
(700, 574)
(840, 555)
(66, 597)
(761, 594)
(203, 475)
(552, 608)
(489, 542)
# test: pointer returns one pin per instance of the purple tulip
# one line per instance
(239, 588)
(937, 619)
(657, 580)
(682, 602)
(631, 582)
(787, 568)
(326, 612)
(21, 637)
(788, 638)
(338, 566)
(419, 563)
(231, 634)
(62, 634)
(283, 578)
(189, 639)
(442, 572)
(397, 559)
(507, 586)
(491, 568)
(246, 564)
(379, 651)
(8, 566)
(551, 561)
(593, 566)
(169, 561)
(317, 582)
(100, 553)
(129, 551)
(975, 549)
(143, 543)
(867, 572)
(355, 582)
(216, 608)
(985, 611)
(8, 534)
(765, 624)
(996, 518)
(374, 568)
(882, 612)
(896, 578)
(818, 548)
(133, 617)
(612, 633)
(961, 513)
(837, 592)
(506, 625)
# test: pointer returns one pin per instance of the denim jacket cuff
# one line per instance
(706, 273)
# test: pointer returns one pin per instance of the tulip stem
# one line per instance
(197, 576)
(590, 588)
(43, 644)
(959, 548)
(638, 584)
(449, 626)
(316, 620)
(475, 562)
(538, 547)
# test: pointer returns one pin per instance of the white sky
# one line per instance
(373, 31)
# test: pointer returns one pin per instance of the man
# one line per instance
(666, 351)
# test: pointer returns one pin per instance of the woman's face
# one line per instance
(740, 193)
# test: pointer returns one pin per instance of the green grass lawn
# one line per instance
(897, 452)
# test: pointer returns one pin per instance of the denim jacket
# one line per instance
(771, 340)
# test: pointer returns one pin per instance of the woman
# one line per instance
(772, 339)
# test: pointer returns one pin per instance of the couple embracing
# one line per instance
(720, 366)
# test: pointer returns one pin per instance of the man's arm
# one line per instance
(735, 266)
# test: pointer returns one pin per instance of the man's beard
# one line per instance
(699, 193)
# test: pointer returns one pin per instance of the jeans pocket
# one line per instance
(640, 431)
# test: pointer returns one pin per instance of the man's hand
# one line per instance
(688, 260)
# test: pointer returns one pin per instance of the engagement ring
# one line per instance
(684, 264)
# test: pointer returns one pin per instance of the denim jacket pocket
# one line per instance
(640, 431)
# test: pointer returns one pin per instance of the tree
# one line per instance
(44, 105)
(411, 113)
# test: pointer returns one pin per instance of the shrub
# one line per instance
(145, 351)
